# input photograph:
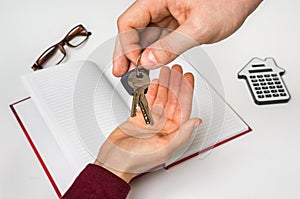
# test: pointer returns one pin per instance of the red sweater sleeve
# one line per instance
(95, 182)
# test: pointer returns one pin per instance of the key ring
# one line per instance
(137, 72)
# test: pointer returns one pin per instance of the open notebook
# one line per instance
(73, 107)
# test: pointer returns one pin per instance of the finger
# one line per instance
(138, 15)
(120, 62)
(162, 92)
(169, 47)
(130, 44)
(174, 88)
(141, 13)
(183, 134)
(189, 77)
(184, 104)
(152, 92)
(120, 66)
(157, 30)
(167, 23)
(177, 68)
(149, 35)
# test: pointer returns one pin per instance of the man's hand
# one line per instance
(135, 147)
(194, 22)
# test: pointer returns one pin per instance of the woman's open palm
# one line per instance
(133, 146)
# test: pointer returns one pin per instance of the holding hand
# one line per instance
(135, 147)
(194, 22)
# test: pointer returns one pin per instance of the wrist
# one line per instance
(126, 176)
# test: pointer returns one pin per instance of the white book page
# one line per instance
(46, 145)
(219, 121)
(65, 97)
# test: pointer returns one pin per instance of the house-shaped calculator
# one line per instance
(264, 81)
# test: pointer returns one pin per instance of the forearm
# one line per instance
(96, 182)
(126, 176)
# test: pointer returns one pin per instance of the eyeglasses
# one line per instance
(56, 53)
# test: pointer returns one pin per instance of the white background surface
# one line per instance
(263, 164)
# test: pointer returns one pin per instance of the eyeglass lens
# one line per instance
(54, 55)
(77, 36)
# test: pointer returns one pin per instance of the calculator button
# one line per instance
(270, 83)
(254, 80)
(263, 83)
(261, 80)
(259, 76)
(267, 75)
(281, 90)
(274, 91)
(282, 94)
(257, 88)
(267, 91)
(274, 75)
(275, 78)
(268, 79)
(252, 76)
(264, 87)
(260, 96)
(269, 95)
(271, 87)
(275, 95)
(256, 84)
(279, 86)
(258, 92)
(277, 82)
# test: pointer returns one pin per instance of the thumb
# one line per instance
(184, 133)
(168, 48)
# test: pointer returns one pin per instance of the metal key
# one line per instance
(135, 101)
(140, 82)
(143, 104)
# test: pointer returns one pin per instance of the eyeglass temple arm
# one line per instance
(44, 58)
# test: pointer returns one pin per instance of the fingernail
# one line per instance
(152, 58)
(196, 124)
(115, 71)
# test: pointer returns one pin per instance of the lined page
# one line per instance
(65, 96)
(47, 147)
(219, 121)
